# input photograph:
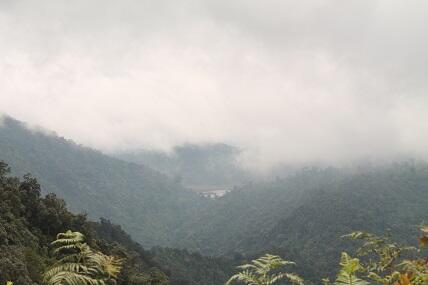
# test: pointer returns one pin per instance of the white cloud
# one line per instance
(285, 80)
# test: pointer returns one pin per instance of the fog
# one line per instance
(286, 81)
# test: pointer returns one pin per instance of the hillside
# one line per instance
(147, 203)
(29, 221)
(300, 217)
(303, 216)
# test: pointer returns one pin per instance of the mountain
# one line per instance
(147, 203)
(304, 216)
(29, 221)
(300, 217)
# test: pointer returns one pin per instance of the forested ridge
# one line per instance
(145, 202)
(29, 222)
(301, 216)
(304, 215)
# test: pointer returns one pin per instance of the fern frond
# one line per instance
(347, 274)
(72, 278)
(80, 265)
(247, 266)
(247, 277)
(111, 265)
(258, 272)
(67, 267)
(293, 278)
(69, 237)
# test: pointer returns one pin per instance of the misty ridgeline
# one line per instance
(213, 142)
(184, 237)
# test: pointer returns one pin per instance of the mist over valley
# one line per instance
(213, 142)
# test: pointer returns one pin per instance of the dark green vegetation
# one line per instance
(378, 261)
(145, 202)
(303, 216)
(300, 217)
(184, 266)
(199, 166)
(29, 222)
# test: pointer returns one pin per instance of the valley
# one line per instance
(213, 142)
(301, 216)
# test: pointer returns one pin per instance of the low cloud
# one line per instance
(286, 81)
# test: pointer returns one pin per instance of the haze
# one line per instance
(286, 81)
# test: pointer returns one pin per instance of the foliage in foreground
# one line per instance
(29, 222)
(348, 272)
(379, 261)
(299, 216)
(78, 264)
(265, 271)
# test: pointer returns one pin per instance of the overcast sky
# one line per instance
(284, 80)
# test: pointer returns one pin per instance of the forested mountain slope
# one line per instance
(300, 217)
(29, 222)
(303, 216)
(145, 202)
(386, 195)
